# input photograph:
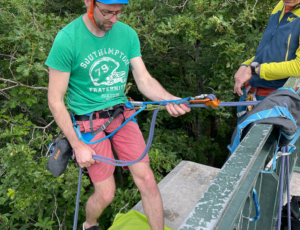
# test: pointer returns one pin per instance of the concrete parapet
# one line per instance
(181, 189)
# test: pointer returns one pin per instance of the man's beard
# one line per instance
(102, 26)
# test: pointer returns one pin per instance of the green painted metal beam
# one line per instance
(232, 217)
(210, 209)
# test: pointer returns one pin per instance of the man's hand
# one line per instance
(151, 88)
(242, 76)
(177, 110)
(84, 155)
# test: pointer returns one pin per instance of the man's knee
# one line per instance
(146, 183)
(108, 198)
(104, 192)
(105, 197)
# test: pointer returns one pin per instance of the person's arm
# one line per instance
(58, 83)
(242, 76)
(268, 71)
(281, 70)
(151, 88)
(248, 62)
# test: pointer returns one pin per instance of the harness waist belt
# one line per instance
(103, 115)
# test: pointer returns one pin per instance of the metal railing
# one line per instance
(228, 203)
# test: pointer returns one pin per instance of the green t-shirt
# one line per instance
(98, 67)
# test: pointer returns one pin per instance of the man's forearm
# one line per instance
(63, 120)
(153, 90)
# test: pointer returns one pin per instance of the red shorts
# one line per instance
(128, 143)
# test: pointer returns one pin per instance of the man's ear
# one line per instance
(88, 3)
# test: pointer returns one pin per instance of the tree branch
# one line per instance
(254, 6)
(5, 55)
(4, 94)
(11, 61)
(44, 128)
(54, 211)
(180, 6)
(20, 84)
(10, 87)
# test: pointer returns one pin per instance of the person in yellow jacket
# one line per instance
(277, 56)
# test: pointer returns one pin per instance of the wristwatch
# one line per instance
(253, 67)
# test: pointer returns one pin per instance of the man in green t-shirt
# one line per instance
(91, 57)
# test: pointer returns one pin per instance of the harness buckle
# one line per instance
(103, 127)
(107, 109)
(108, 113)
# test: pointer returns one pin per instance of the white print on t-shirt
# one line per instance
(99, 53)
(107, 89)
(108, 67)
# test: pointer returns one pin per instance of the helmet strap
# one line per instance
(90, 13)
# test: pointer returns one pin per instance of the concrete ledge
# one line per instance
(181, 189)
(295, 184)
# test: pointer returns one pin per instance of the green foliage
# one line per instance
(187, 45)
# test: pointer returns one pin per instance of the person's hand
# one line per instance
(242, 76)
(84, 155)
(240, 72)
(177, 110)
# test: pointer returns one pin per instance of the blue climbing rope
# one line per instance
(142, 106)
(131, 105)
(210, 100)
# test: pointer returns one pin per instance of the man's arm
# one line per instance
(58, 83)
(151, 88)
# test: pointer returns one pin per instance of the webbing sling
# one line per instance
(87, 137)
(116, 113)
(290, 149)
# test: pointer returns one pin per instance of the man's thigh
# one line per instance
(105, 187)
(128, 142)
(141, 170)
(99, 171)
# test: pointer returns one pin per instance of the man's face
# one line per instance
(101, 9)
(291, 3)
